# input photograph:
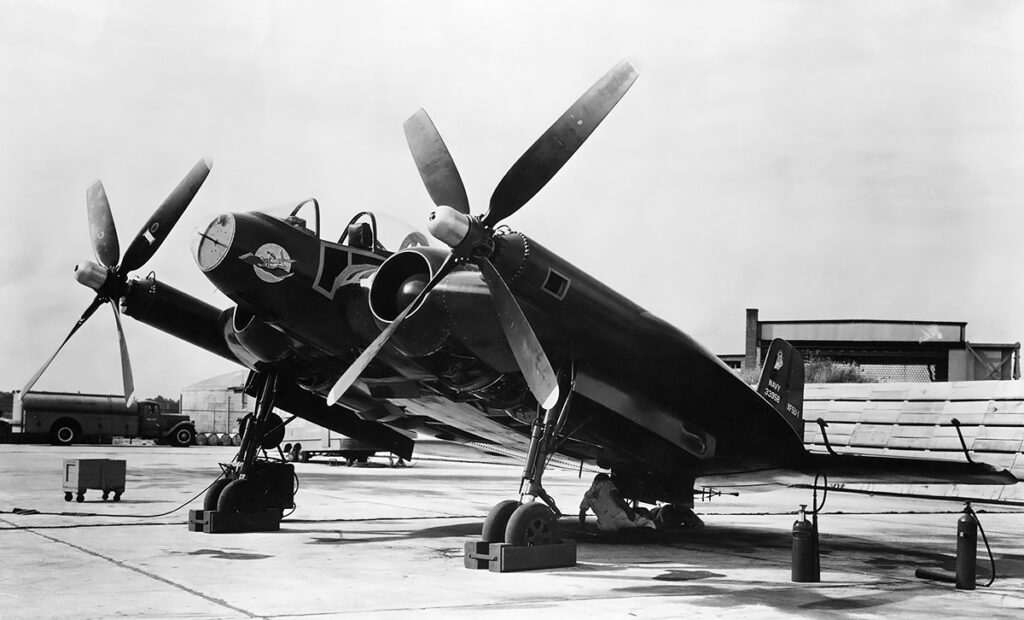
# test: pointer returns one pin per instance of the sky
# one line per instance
(815, 160)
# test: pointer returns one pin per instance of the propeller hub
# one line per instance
(448, 225)
(92, 275)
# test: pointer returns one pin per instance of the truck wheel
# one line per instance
(63, 433)
(183, 437)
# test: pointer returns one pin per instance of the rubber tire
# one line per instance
(493, 530)
(213, 493)
(532, 524)
(67, 439)
(273, 432)
(241, 495)
(183, 437)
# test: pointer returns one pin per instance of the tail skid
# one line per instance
(782, 383)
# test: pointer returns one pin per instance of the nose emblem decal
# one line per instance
(271, 263)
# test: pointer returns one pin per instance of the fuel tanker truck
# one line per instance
(64, 419)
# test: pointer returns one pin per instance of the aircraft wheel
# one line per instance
(273, 432)
(532, 524)
(80, 498)
(213, 493)
(241, 495)
(67, 496)
(691, 520)
(497, 520)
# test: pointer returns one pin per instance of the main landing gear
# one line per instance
(527, 521)
(524, 534)
(255, 489)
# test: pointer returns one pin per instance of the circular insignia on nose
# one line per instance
(272, 263)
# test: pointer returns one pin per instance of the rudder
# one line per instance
(782, 383)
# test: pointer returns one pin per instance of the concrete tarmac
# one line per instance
(379, 542)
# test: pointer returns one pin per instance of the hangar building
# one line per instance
(886, 351)
(216, 405)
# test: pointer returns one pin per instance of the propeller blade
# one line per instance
(101, 226)
(85, 317)
(164, 218)
(435, 163)
(126, 363)
(526, 348)
(549, 153)
(369, 353)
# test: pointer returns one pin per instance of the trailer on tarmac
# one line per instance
(305, 440)
(64, 419)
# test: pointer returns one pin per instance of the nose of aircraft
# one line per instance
(213, 241)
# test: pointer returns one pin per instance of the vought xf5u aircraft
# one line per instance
(480, 334)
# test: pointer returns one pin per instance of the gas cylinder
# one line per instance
(966, 550)
(805, 550)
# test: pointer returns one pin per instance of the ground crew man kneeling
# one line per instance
(613, 513)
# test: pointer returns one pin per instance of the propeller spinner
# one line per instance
(110, 277)
(471, 237)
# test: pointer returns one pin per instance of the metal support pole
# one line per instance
(541, 435)
(255, 428)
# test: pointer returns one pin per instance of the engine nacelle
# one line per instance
(396, 284)
(260, 339)
(455, 331)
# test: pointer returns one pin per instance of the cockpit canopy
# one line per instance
(376, 232)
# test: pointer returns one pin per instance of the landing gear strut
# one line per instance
(254, 490)
(528, 522)
(524, 534)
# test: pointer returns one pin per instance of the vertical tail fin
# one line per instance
(782, 383)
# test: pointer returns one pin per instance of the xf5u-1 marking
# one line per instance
(479, 334)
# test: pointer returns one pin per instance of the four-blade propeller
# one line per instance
(110, 278)
(471, 238)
